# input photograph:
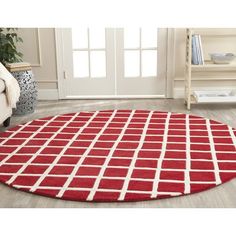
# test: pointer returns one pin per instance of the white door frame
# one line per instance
(61, 74)
(170, 63)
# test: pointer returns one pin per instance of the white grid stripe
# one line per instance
(119, 128)
(188, 158)
(122, 141)
(101, 173)
(120, 178)
(39, 181)
(123, 158)
(115, 178)
(161, 158)
(123, 123)
(146, 150)
(104, 190)
(231, 131)
(102, 148)
(33, 134)
(14, 133)
(126, 167)
(77, 166)
(135, 156)
(42, 147)
(213, 153)
(155, 135)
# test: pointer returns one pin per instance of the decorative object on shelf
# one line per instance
(8, 42)
(28, 97)
(222, 58)
(215, 96)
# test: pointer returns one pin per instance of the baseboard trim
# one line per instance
(178, 92)
(48, 94)
(114, 97)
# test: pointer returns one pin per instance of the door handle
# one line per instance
(64, 74)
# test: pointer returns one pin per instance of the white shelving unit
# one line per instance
(207, 67)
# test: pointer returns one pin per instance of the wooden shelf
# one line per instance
(207, 67)
(208, 79)
(215, 32)
(194, 101)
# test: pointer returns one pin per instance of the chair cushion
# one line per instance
(2, 86)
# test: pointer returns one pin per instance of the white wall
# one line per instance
(39, 49)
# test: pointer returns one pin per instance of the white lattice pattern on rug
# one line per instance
(118, 155)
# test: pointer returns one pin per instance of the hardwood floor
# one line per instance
(221, 196)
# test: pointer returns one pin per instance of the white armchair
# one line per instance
(9, 95)
(5, 109)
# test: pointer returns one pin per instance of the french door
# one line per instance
(111, 62)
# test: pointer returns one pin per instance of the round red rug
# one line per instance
(117, 155)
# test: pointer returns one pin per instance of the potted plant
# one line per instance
(8, 46)
(10, 58)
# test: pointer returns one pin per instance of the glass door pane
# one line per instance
(97, 38)
(89, 52)
(131, 38)
(80, 64)
(132, 63)
(98, 64)
(149, 63)
(79, 38)
(149, 37)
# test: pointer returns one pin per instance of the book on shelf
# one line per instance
(201, 50)
(194, 51)
(197, 51)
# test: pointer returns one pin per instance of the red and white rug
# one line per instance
(117, 155)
